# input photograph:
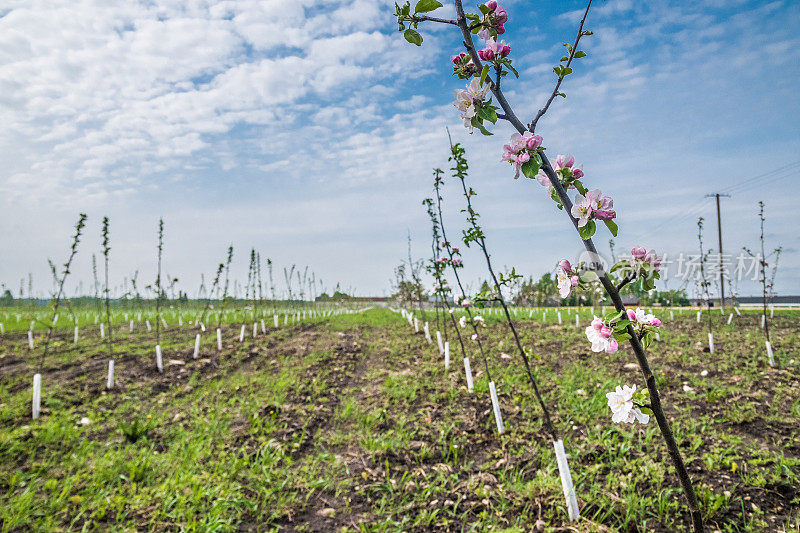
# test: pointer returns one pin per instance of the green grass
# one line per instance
(350, 422)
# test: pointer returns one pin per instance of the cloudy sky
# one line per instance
(309, 129)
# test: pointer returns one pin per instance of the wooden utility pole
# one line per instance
(719, 235)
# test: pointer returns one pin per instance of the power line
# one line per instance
(737, 187)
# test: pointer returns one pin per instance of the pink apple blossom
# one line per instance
(601, 337)
(467, 101)
(463, 67)
(517, 150)
(613, 346)
(493, 50)
(564, 161)
(496, 17)
(564, 282)
(593, 205)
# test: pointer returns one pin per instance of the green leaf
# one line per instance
(624, 263)
(512, 69)
(483, 130)
(423, 6)
(530, 168)
(588, 276)
(564, 58)
(484, 8)
(580, 53)
(484, 72)
(413, 36)
(622, 336)
(587, 231)
(612, 227)
(492, 115)
(647, 340)
(622, 325)
(646, 411)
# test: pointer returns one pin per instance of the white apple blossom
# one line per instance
(622, 407)
(466, 100)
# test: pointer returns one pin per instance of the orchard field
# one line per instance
(347, 420)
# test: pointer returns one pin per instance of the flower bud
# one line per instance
(535, 141)
(565, 161)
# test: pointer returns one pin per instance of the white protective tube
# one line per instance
(196, 346)
(711, 342)
(110, 380)
(468, 372)
(566, 480)
(37, 395)
(439, 341)
(159, 363)
(446, 355)
(769, 354)
(219, 339)
(498, 416)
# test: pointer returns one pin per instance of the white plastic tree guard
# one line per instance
(468, 372)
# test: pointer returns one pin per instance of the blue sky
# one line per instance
(308, 130)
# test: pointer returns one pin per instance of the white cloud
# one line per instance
(307, 126)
